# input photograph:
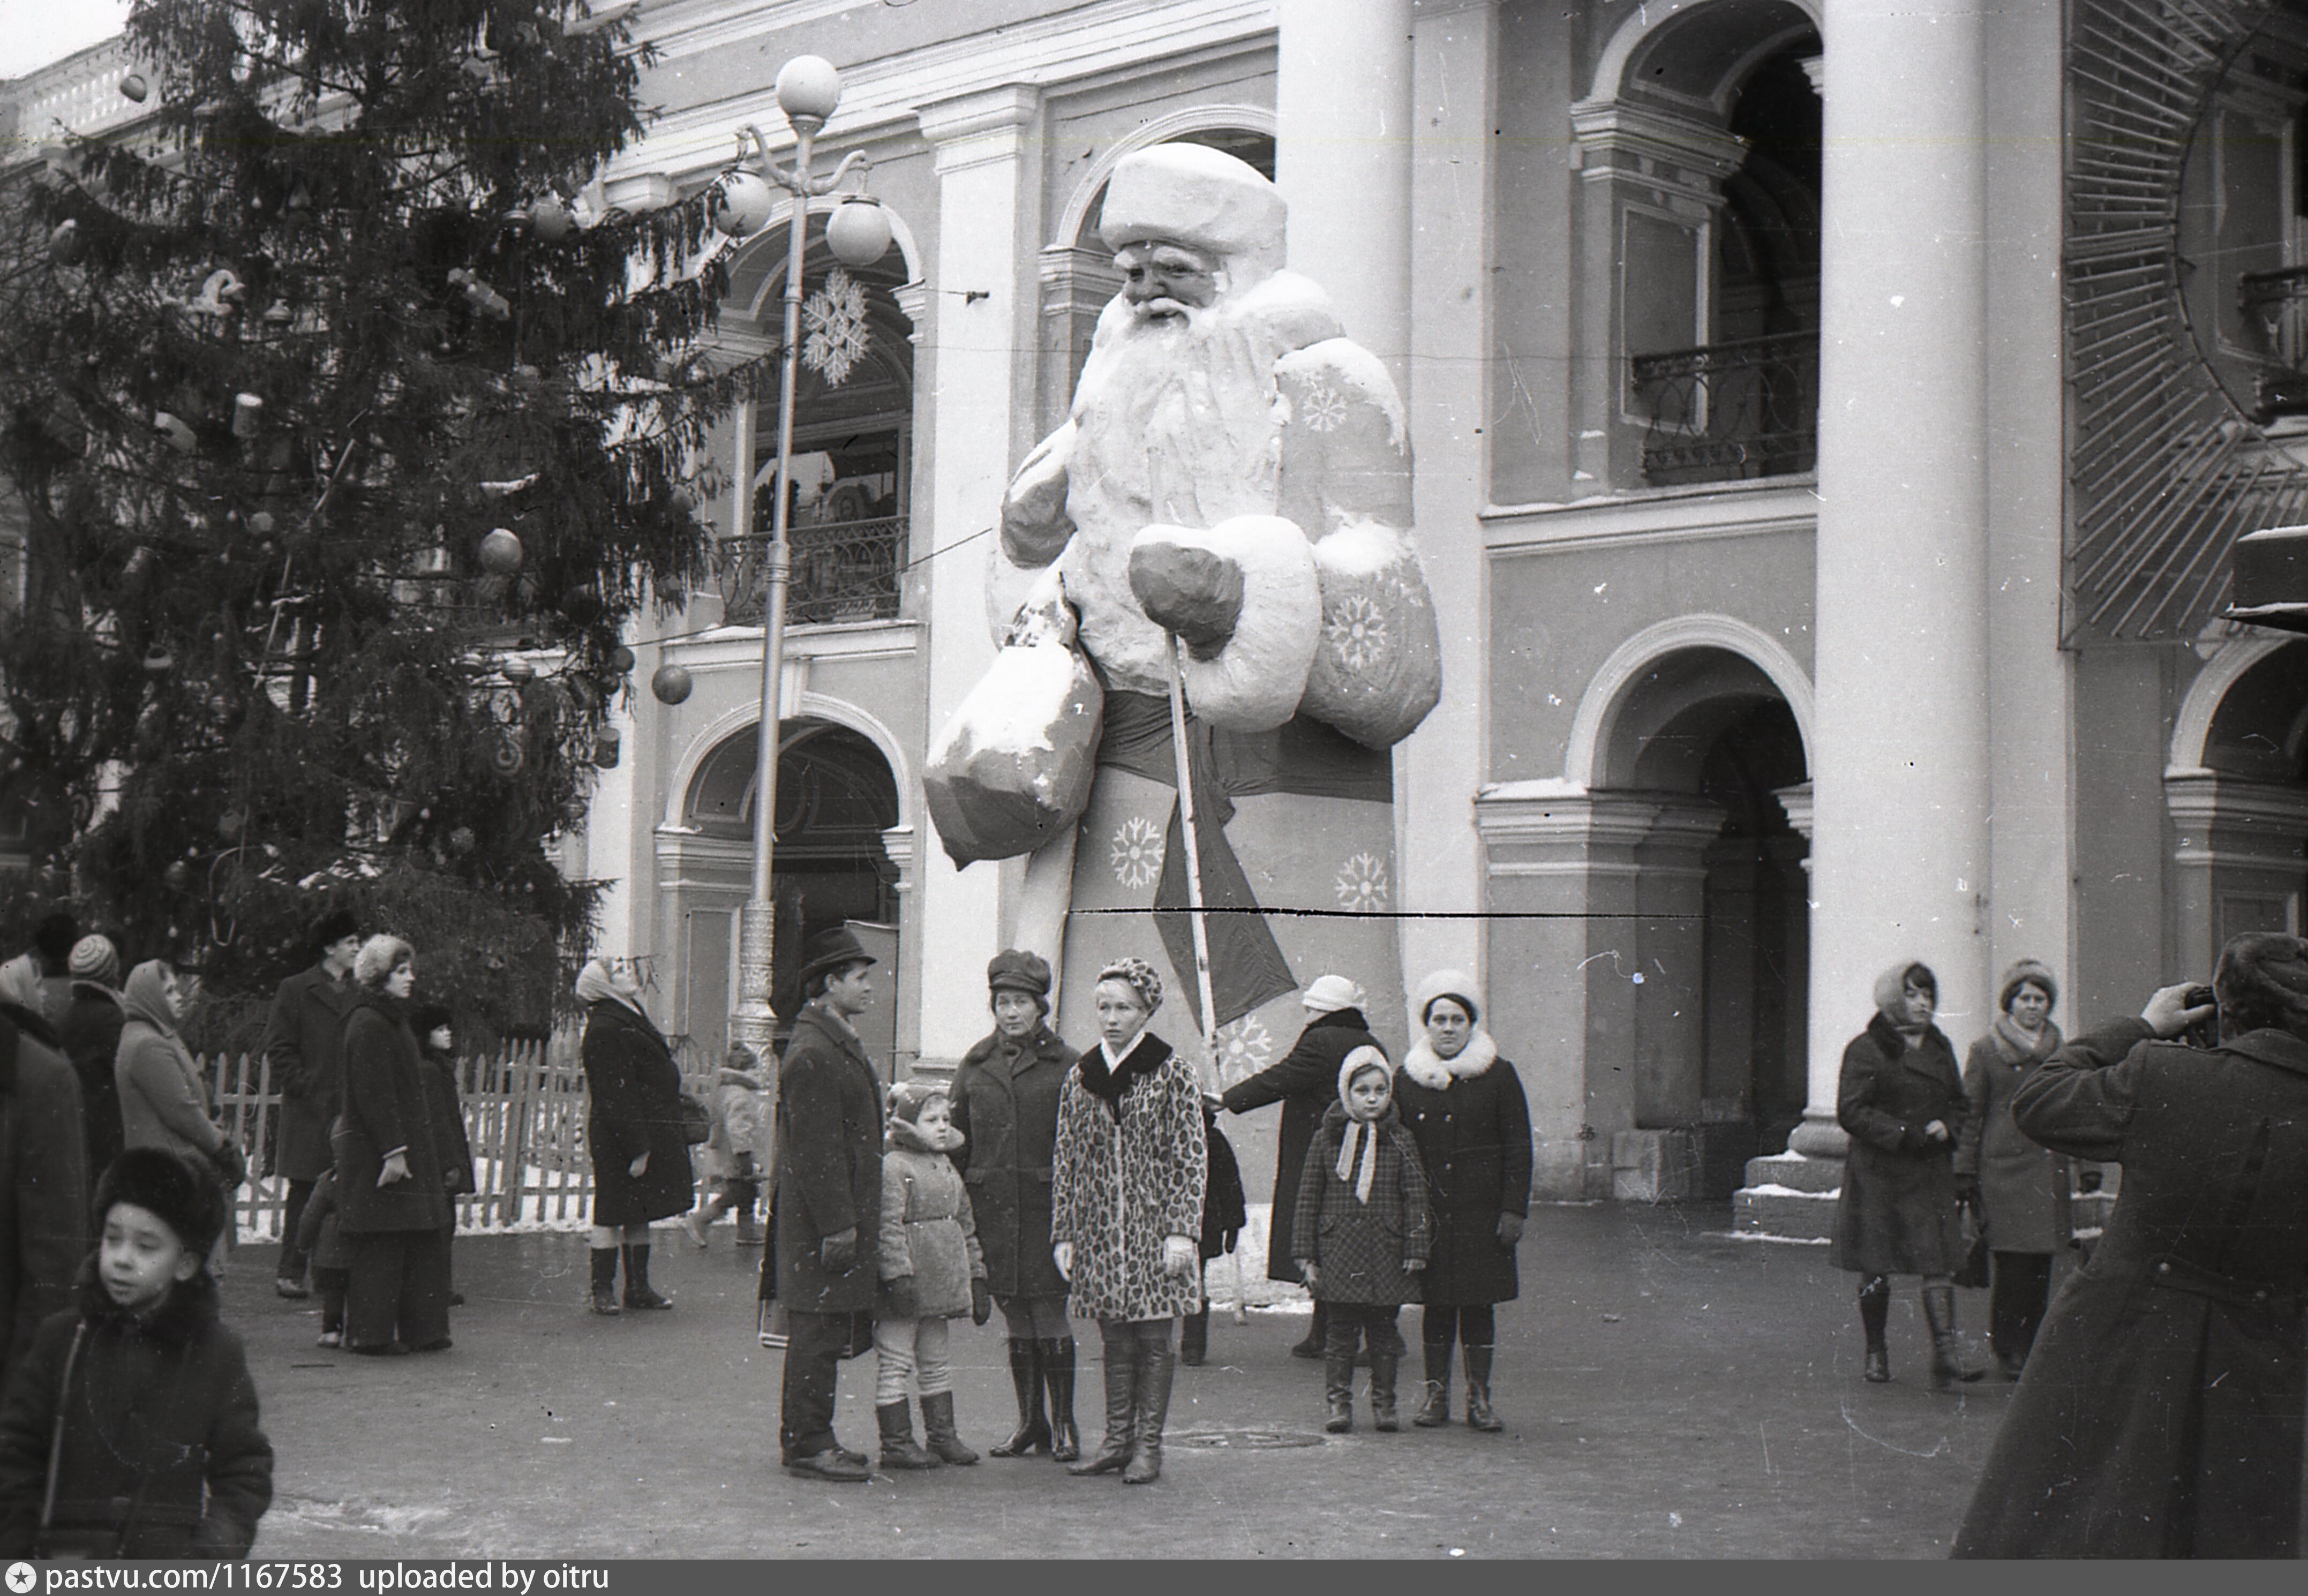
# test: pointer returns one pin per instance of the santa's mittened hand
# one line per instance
(1195, 593)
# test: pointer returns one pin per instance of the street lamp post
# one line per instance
(808, 88)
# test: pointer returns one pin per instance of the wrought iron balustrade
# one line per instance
(2275, 325)
(842, 570)
(1727, 411)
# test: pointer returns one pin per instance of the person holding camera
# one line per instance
(2161, 1413)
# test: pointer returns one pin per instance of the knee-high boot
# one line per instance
(637, 1285)
(1122, 1358)
(1318, 1332)
(605, 1279)
(1059, 1375)
(1339, 1380)
(1158, 1362)
(1195, 1337)
(1384, 1360)
(1949, 1364)
(1033, 1432)
(1875, 1315)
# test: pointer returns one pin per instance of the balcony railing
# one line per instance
(842, 571)
(2274, 306)
(1727, 411)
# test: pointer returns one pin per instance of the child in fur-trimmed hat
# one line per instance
(931, 1271)
(130, 1427)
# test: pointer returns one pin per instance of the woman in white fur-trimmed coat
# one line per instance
(1465, 1106)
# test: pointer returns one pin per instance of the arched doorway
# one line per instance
(1717, 977)
(2240, 815)
(836, 798)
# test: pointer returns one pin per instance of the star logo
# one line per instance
(20, 1578)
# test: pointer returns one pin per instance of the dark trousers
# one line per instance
(1369, 1325)
(399, 1290)
(815, 1344)
(291, 1266)
(1474, 1325)
(2016, 1302)
(331, 1284)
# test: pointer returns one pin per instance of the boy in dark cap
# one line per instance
(131, 1428)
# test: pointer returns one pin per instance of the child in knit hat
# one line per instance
(1361, 1233)
(129, 1429)
(733, 1147)
(931, 1271)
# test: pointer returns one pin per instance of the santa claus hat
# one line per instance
(1194, 196)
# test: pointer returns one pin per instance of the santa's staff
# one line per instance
(1193, 857)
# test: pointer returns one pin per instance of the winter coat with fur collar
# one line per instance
(1472, 1125)
(929, 1238)
(162, 1456)
(1897, 1215)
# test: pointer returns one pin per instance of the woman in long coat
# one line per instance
(2020, 1186)
(634, 1129)
(392, 1203)
(1130, 1170)
(2161, 1412)
(1466, 1110)
(1901, 1101)
(163, 1100)
(1305, 1081)
(1005, 1104)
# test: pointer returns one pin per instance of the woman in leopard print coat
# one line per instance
(1128, 1173)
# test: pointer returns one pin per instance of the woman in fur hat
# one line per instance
(1466, 1110)
(2019, 1187)
(392, 1198)
(1005, 1105)
(1127, 1183)
(1900, 1100)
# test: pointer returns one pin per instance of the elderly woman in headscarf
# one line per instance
(2161, 1412)
(634, 1129)
(163, 1100)
(1900, 1100)
(2019, 1187)
(1466, 1110)
(1129, 1168)
(393, 1200)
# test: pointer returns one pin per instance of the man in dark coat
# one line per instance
(43, 1182)
(829, 1205)
(2161, 1412)
(304, 1043)
(90, 1030)
(1306, 1083)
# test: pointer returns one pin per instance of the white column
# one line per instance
(1900, 783)
(982, 315)
(2030, 693)
(1439, 768)
(1342, 158)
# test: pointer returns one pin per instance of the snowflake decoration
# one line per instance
(1362, 884)
(1137, 852)
(1325, 408)
(835, 318)
(1244, 1046)
(1357, 630)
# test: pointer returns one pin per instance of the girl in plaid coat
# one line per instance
(1361, 1232)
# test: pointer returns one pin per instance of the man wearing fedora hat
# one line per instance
(304, 1039)
(828, 1203)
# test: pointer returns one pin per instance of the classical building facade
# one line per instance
(1831, 420)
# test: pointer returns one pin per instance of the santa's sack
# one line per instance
(1378, 667)
(1012, 769)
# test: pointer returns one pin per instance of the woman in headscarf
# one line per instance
(393, 1200)
(640, 1159)
(1005, 1105)
(1901, 1101)
(2019, 1187)
(1128, 1173)
(1466, 1110)
(163, 1100)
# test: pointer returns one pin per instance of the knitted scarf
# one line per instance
(2019, 1047)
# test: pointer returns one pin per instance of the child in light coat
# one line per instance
(931, 1271)
(734, 1149)
(1361, 1232)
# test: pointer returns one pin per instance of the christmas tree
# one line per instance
(349, 438)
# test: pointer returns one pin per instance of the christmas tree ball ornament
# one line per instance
(505, 757)
(461, 840)
(131, 87)
(158, 660)
(517, 671)
(229, 823)
(65, 244)
(501, 553)
(808, 86)
(247, 415)
(178, 875)
(261, 523)
(671, 683)
(621, 659)
(858, 231)
(172, 428)
(608, 743)
(551, 219)
(742, 203)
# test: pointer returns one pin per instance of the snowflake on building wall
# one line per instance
(834, 319)
(1244, 1046)
(1362, 884)
(1137, 852)
(1357, 630)
(1324, 408)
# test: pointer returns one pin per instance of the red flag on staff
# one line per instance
(1247, 968)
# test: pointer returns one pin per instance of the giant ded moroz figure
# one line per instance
(1235, 473)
